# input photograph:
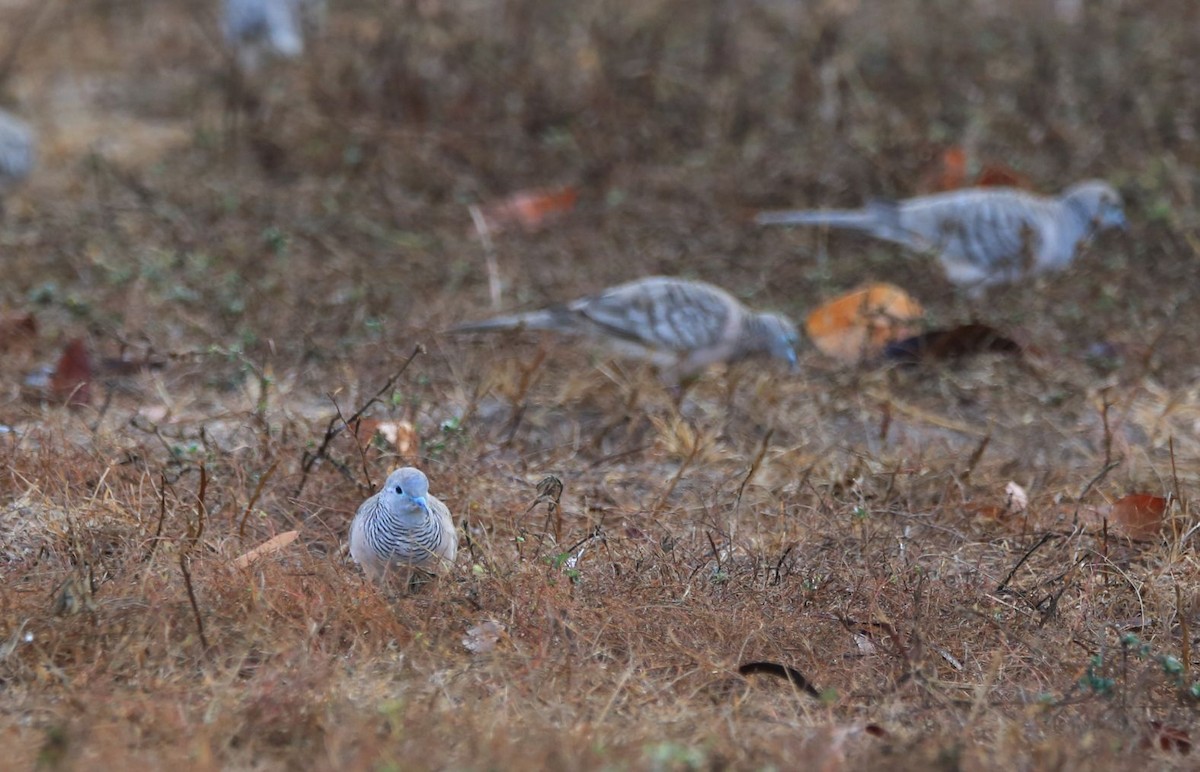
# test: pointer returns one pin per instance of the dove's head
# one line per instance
(780, 338)
(405, 493)
(1099, 203)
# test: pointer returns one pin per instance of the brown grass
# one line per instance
(849, 524)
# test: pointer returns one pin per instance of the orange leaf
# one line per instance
(71, 381)
(947, 172)
(954, 169)
(529, 208)
(858, 325)
(1139, 515)
(1000, 176)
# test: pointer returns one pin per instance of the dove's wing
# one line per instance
(664, 314)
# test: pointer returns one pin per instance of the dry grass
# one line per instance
(849, 524)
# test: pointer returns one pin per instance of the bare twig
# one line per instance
(1000, 588)
(658, 505)
(762, 452)
(354, 430)
(185, 554)
(309, 460)
(973, 461)
(254, 497)
(187, 582)
(162, 516)
(489, 254)
(1108, 467)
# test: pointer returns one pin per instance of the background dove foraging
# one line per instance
(983, 236)
(681, 326)
(17, 154)
(255, 28)
(402, 526)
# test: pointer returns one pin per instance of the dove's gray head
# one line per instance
(1098, 202)
(780, 338)
(405, 493)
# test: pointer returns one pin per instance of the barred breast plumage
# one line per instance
(403, 526)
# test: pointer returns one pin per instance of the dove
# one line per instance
(680, 326)
(17, 152)
(402, 526)
(983, 236)
(257, 27)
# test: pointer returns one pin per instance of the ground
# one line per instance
(271, 258)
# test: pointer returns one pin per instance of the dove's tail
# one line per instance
(878, 218)
(546, 319)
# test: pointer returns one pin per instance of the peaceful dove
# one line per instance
(983, 236)
(271, 27)
(680, 326)
(17, 153)
(402, 526)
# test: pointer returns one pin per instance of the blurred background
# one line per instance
(323, 200)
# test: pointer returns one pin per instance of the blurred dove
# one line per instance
(17, 154)
(402, 526)
(680, 326)
(273, 27)
(983, 236)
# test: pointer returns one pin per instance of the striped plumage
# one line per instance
(17, 151)
(680, 326)
(254, 28)
(402, 526)
(983, 236)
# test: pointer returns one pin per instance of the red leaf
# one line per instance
(1000, 176)
(1166, 738)
(529, 208)
(953, 343)
(16, 329)
(71, 381)
(947, 172)
(1139, 515)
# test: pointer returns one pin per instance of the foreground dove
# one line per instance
(983, 236)
(17, 154)
(680, 326)
(402, 526)
(257, 27)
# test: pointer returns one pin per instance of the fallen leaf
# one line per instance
(71, 380)
(1139, 515)
(860, 324)
(274, 544)
(1000, 176)
(954, 169)
(402, 436)
(1166, 738)
(17, 330)
(530, 209)
(1016, 499)
(398, 434)
(482, 637)
(953, 343)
